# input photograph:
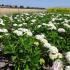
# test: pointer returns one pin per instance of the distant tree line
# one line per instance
(15, 6)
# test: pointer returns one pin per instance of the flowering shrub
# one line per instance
(37, 41)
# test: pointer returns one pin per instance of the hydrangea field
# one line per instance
(35, 41)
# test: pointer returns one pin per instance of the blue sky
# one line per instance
(38, 3)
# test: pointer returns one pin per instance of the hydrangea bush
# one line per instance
(39, 41)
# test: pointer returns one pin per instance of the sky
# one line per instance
(38, 3)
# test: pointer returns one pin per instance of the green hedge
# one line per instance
(58, 10)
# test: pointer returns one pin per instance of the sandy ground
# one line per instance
(13, 10)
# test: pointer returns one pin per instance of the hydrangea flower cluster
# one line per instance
(20, 32)
(53, 51)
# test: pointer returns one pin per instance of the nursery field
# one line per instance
(35, 41)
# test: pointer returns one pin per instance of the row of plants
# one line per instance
(38, 41)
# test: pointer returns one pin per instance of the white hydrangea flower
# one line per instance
(43, 36)
(40, 37)
(53, 56)
(19, 20)
(36, 43)
(60, 19)
(20, 25)
(67, 25)
(51, 26)
(53, 50)
(27, 18)
(26, 31)
(29, 33)
(68, 56)
(57, 65)
(3, 30)
(53, 19)
(12, 29)
(23, 29)
(23, 19)
(1, 36)
(7, 34)
(44, 41)
(1, 22)
(11, 18)
(67, 68)
(15, 17)
(66, 21)
(39, 26)
(61, 38)
(33, 20)
(47, 45)
(60, 55)
(56, 23)
(68, 15)
(60, 30)
(14, 24)
(24, 23)
(50, 22)
(32, 23)
(19, 33)
(44, 24)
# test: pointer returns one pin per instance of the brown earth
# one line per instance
(17, 10)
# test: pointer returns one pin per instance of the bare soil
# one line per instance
(18, 10)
